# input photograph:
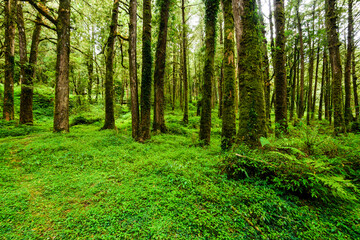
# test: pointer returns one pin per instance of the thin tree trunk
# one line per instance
(311, 73)
(90, 66)
(221, 89)
(322, 85)
(348, 114)
(160, 58)
(61, 114)
(109, 76)
(133, 70)
(354, 78)
(302, 63)
(335, 59)
(316, 81)
(174, 77)
(184, 69)
(293, 85)
(10, 18)
(327, 88)
(211, 9)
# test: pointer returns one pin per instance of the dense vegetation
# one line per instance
(104, 184)
(213, 119)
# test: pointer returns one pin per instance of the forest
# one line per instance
(179, 119)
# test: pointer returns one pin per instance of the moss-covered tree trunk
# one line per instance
(159, 73)
(327, 96)
(26, 98)
(61, 113)
(266, 67)
(133, 70)
(302, 64)
(228, 96)
(348, 114)
(146, 72)
(10, 19)
(280, 71)
(109, 78)
(252, 119)
(335, 59)
(211, 9)
(184, 66)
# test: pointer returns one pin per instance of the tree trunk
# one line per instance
(228, 99)
(211, 9)
(184, 69)
(146, 72)
(252, 119)
(280, 71)
(316, 81)
(348, 114)
(266, 65)
(293, 85)
(174, 78)
(302, 63)
(335, 59)
(322, 85)
(133, 70)
(160, 58)
(311, 73)
(354, 78)
(90, 66)
(109, 76)
(221, 89)
(327, 88)
(10, 18)
(61, 114)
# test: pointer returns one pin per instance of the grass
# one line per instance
(91, 184)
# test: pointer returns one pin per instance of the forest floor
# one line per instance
(92, 184)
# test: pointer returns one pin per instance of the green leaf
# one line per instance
(264, 141)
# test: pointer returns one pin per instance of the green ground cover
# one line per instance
(91, 184)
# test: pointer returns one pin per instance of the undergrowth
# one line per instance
(91, 184)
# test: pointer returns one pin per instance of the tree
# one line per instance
(301, 108)
(348, 115)
(228, 98)
(335, 59)
(109, 78)
(252, 119)
(146, 72)
(159, 73)
(184, 69)
(133, 70)
(61, 114)
(10, 18)
(211, 9)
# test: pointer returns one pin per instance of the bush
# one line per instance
(291, 170)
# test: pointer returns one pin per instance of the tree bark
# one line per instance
(280, 71)
(322, 85)
(10, 18)
(146, 72)
(109, 78)
(302, 64)
(316, 81)
(228, 99)
(211, 9)
(184, 49)
(160, 58)
(293, 85)
(335, 59)
(348, 114)
(311, 73)
(61, 114)
(252, 119)
(354, 79)
(133, 70)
